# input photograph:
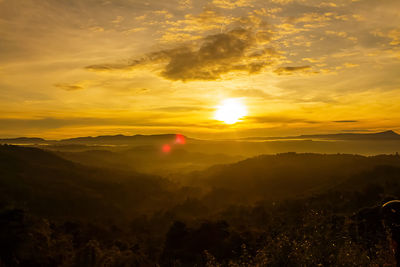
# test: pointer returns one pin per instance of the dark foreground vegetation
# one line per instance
(274, 210)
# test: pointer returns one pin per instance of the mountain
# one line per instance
(386, 135)
(287, 175)
(149, 159)
(49, 185)
(23, 140)
(171, 138)
(199, 153)
(104, 139)
(123, 139)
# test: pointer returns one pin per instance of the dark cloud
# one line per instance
(290, 70)
(68, 87)
(217, 54)
(279, 119)
(56, 123)
(42, 123)
(357, 130)
(345, 121)
(179, 109)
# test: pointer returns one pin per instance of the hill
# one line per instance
(282, 210)
(360, 143)
(49, 185)
(122, 139)
(149, 159)
(119, 139)
(24, 140)
(286, 176)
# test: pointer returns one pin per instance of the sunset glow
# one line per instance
(199, 133)
(134, 67)
(230, 111)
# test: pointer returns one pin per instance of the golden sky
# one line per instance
(95, 67)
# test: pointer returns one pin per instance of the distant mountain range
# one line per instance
(386, 135)
(120, 138)
(24, 140)
(170, 138)
(104, 139)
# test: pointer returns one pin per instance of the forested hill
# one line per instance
(276, 210)
(49, 185)
(288, 175)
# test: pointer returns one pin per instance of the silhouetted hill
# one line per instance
(141, 140)
(50, 185)
(282, 210)
(149, 159)
(100, 140)
(123, 139)
(23, 140)
(288, 175)
(352, 143)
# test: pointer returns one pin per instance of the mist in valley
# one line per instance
(170, 200)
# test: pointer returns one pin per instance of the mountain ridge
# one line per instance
(385, 135)
(93, 139)
(120, 138)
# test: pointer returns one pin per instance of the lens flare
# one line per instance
(166, 148)
(180, 139)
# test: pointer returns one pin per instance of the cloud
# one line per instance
(250, 93)
(41, 123)
(57, 123)
(283, 2)
(235, 50)
(351, 65)
(345, 121)
(357, 131)
(117, 20)
(231, 4)
(68, 87)
(185, 4)
(180, 109)
(191, 27)
(279, 119)
(291, 70)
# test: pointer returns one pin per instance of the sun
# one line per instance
(230, 111)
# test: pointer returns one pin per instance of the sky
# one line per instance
(98, 67)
